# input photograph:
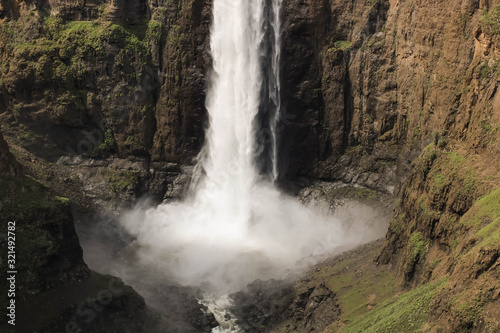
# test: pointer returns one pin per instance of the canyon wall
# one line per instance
(49, 261)
(397, 96)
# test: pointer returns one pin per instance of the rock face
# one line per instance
(263, 305)
(53, 276)
(381, 80)
(95, 80)
(365, 86)
(8, 164)
(116, 97)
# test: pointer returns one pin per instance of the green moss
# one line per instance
(24, 195)
(490, 21)
(357, 284)
(448, 170)
(439, 180)
(107, 145)
(354, 299)
(154, 32)
(62, 51)
(466, 311)
(427, 158)
(485, 125)
(406, 313)
(486, 210)
(434, 263)
(134, 145)
(342, 45)
(398, 222)
(484, 71)
(415, 250)
(121, 181)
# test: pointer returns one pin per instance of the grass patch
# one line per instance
(358, 284)
(406, 313)
(415, 250)
(341, 45)
(64, 51)
(484, 216)
(490, 21)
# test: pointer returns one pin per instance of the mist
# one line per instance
(196, 243)
(234, 226)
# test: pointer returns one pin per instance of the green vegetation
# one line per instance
(343, 45)
(485, 216)
(398, 222)
(42, 219)
(26, 196)
(406, 313)
(62, 51)
(107, 145)
(372, 2)
(154, 32)
(340, 45)
(490, 21)
(121, 181)
(485, 125)
(484, 71)
(447, 169)
(355, 299)
(359, 285)
(415, 250)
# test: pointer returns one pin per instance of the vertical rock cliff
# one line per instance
(398, 96)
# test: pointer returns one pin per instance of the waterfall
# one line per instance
(235, 226)
(275, 87)
(233, 103)
(270, 103)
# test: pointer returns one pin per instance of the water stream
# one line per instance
(235, 226)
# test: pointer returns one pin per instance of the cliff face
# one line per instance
(368, 86)
(53, 276)
(122, 83)
(397, 96)
(8, 164)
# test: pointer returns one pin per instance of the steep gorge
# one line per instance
(397, 96)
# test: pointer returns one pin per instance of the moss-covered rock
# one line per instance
(54, 289)
(48, 252)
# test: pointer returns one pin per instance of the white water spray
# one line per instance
(235, 227)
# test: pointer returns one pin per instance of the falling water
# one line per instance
(235, 226)
(276, 93)
(271, 95)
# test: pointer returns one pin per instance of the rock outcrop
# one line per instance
(8, 164)
(103, 81)
(51, 274)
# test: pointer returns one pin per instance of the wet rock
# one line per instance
(266, 304)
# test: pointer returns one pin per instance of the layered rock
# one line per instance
(126, 81)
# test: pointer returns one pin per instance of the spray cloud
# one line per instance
(235, 226)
